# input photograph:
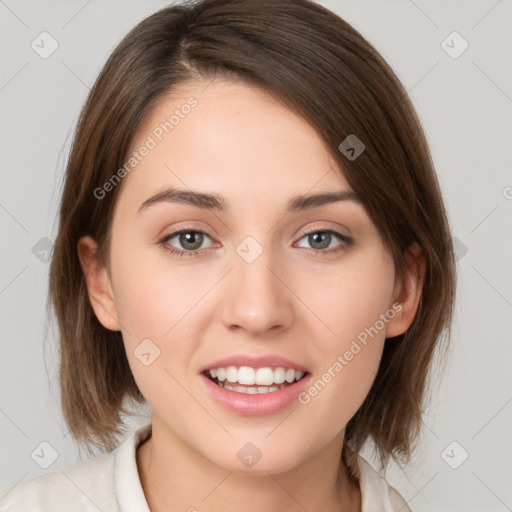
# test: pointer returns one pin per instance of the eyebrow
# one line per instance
(215, 202)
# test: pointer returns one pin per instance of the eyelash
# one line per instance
(346, 243)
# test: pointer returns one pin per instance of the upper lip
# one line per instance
(254, 361)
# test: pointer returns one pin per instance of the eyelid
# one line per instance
(339, 227)
(315, 228)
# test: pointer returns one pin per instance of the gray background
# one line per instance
(464, 104)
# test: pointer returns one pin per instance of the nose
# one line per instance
(257, 297)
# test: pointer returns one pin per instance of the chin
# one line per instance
(256, 458)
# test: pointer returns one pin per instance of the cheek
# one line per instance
(354, 303)
(353, 311)
(350, 298)
(151, 296)
(152, 309)
(159, 301)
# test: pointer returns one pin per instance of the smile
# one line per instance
(245, 379)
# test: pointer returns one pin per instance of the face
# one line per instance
(253, 278)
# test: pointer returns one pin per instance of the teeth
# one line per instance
(290, 375)
(221, 374)
(265, 377)
(280, 375)
(247, 376)
(232, 374)
(251, 390)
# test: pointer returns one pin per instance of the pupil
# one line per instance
(324, 236)
(188, 238)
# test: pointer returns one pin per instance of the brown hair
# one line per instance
(319, 66)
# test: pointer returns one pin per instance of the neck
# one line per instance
(175, 477)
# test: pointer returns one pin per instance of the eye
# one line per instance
(320, 240)
(191, 240)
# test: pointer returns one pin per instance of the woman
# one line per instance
(252, 240)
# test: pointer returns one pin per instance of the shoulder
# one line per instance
(82, 488)
(109, 483)
(376, 493)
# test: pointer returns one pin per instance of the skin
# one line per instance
(291, 301)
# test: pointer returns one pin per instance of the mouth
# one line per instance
(253, 381)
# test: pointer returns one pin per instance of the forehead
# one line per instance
(231, 138)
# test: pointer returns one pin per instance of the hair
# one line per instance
(316, 64)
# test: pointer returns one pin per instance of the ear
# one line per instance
(407, 292)
(98, 283)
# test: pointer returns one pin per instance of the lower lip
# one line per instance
(255, 405)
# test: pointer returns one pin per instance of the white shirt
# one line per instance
(110, 483)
